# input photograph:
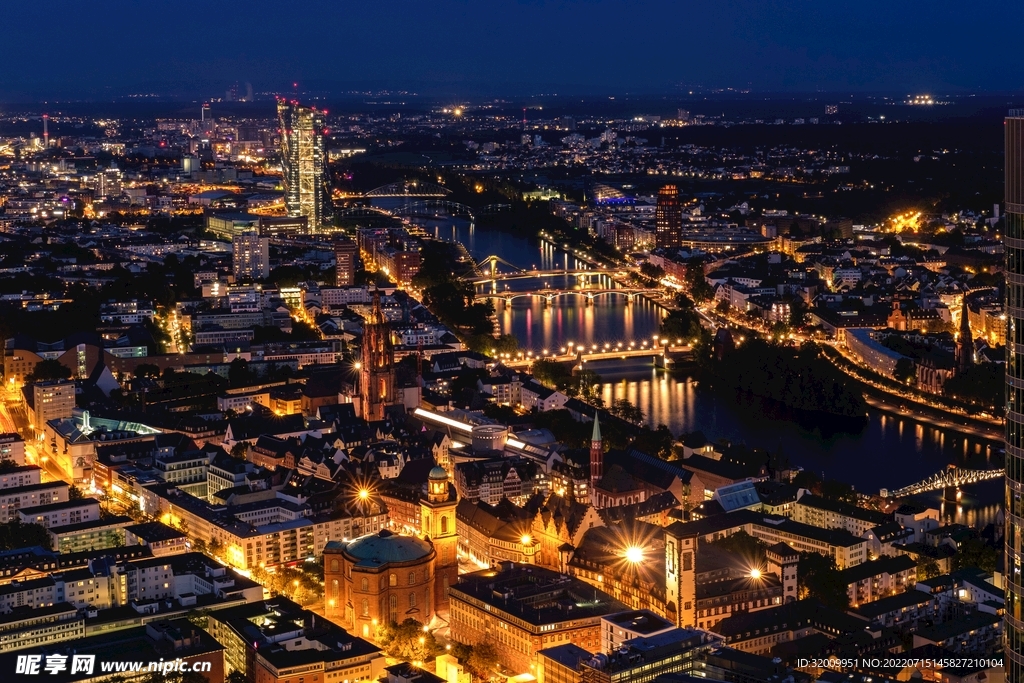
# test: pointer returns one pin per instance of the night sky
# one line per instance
(65, 48)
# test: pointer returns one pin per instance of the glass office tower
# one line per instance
(1014, 243)
(304, 161)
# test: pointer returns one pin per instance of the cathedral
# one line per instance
(377, 366)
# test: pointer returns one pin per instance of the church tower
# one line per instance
(596, 461)
(964, 344)
(681, 574)
(377, 372)
(437, 525)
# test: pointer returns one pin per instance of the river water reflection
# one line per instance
(889, 452)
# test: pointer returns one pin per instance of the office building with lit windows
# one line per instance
(668, 218)
(1014, 245)
(307, 191)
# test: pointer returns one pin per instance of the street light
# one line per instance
(634, 554)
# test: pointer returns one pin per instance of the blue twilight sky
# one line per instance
(63, 48)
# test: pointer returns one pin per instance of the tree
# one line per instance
(651, 271)
(819, 578)
(681, 324)
(48, 369)
(552, 373)
(657, 442)
(503, 414)
(239, 374)
(407, 641)
(483, 660)
(697, 284)
(147, 370)
(624, 409)
(905, 370)
(74, 493)
(236, 677)
(797, 313)
(976, 553)
(17, 534)
(240, 450)
(8, 465)
(927, 568)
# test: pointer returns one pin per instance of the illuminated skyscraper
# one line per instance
(1014, 620)
(668, 218)
(307, 191)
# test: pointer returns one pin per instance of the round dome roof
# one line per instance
(437, 473)
(374, 550)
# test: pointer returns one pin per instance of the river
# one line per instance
(890, 452)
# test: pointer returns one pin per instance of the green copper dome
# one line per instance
(383, 548)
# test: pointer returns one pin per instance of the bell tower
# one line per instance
(596, 461)
(377, 371)
(437, 525)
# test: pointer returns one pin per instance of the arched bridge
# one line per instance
(409, 188)
(952, 477)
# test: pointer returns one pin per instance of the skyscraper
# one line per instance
(251, 258)
(377, 372)
(307, 191)
(668, 218)
(1014, 231)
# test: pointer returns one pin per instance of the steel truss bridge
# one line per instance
(434, 207)
(951, 478)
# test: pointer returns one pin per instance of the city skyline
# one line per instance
(520, 48)
(532, 340)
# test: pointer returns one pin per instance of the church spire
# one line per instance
(596, 461)
(965, 344)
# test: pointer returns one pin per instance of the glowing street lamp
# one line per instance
(755, 573)
(634, 554)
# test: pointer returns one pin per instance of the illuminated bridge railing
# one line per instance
(954, 477)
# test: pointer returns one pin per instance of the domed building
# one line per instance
(386, 577)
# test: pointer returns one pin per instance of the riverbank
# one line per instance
(909, 406)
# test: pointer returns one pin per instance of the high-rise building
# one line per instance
(668, 218)
(1014, 184)
(307, 191)
(377, 372)
(345, 252)
(251, 256)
